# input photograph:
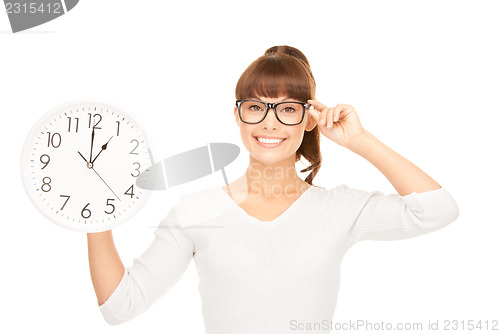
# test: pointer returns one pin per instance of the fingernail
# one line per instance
(329, 125)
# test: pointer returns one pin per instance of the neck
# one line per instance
(273, 180)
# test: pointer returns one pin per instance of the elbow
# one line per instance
(115, 317)
(124, 304)
(436, 213)
(446, 212)
(112, 321)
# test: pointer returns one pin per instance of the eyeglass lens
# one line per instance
(288, 113)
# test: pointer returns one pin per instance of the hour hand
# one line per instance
(83, 157)
(105, 146)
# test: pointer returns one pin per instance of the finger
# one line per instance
(329, 117)
(314, 114)
(324, 116)
(317, 105)
(338, 110)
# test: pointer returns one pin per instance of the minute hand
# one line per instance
(92, 142)
(105, 146)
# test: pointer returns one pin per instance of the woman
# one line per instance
(268, 247)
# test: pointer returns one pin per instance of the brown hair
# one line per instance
(284, 71)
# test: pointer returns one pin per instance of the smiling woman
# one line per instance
(268, 247)
(284, 72)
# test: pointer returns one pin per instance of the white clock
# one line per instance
(80, 163)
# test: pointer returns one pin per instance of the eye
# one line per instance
(289, 109)
(255, 108)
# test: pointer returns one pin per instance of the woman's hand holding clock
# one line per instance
(340, 123)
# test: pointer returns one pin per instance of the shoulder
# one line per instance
(343, 198)
(343, 191)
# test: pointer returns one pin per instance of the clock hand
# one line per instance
(83, 157)
(106, 184)
(105, 146)
(92, 142)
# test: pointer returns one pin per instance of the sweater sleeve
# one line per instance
(152, 274)
(395, 217)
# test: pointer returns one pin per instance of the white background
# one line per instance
(423, 77)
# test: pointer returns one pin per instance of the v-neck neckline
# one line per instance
(265, 223)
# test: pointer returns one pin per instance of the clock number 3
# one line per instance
(137, 169)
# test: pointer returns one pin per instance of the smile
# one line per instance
(269, 142)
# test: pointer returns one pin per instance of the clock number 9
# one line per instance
(44, 162)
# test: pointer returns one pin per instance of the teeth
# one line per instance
(270, 141)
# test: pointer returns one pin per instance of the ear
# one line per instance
(236, 117)
(311, 122)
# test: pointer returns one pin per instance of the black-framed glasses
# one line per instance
(286, 112)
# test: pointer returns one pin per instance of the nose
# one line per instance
(270, 120)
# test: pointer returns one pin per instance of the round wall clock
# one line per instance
(80, 163)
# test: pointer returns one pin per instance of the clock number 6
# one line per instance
(86, 210)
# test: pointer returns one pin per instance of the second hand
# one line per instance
(106, 184)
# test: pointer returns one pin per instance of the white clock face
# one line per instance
(80, 164)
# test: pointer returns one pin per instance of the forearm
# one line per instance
(401, 173)
(106, 267)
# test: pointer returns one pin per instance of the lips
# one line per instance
(269, 145)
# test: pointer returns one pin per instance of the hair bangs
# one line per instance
(274, 76)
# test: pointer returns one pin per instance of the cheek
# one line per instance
(245, 130)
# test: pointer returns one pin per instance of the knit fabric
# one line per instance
(262, 276)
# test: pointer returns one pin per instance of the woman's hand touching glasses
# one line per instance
(340, 123)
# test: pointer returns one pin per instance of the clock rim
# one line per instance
(24, 167)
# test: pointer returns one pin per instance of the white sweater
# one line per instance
(261, 276)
